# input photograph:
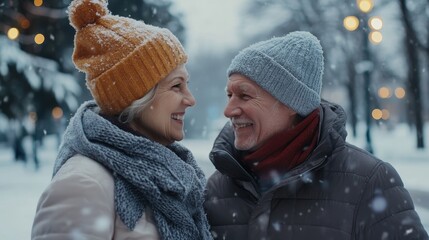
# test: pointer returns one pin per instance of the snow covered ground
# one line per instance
(21, 185)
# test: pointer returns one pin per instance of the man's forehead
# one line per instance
(241, 82)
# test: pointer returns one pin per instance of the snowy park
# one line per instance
(375, 53)
(21, 185)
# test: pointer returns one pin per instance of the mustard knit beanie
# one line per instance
(123, 58)
(290, 68)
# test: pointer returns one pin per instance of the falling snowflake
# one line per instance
(379, 204)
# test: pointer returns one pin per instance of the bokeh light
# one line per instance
(377, 114)
(384, 92)
(365, 5)
(400, 92)
(13, 33)
(38, 3)
(39, 38)
(351, 23)
(385, 114)
(375, 23)
(375, 37)
(57, 113)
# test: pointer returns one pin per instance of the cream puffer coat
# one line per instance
(79, 204)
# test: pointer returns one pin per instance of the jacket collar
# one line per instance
(332, 134)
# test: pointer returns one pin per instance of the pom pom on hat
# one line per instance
(85, 12)
(123, 58)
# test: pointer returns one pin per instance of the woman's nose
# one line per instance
(189, 99)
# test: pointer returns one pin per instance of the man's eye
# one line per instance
(177, 85)
(229, 95)
(245, 96)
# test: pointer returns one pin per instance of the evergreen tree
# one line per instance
(37, 76)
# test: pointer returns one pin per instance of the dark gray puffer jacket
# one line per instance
(339, 192)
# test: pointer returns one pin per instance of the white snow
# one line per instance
(37, 70)
(21, 186)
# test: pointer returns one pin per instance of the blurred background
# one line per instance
(376, 56)
(376, 67)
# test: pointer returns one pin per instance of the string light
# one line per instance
(365, 5)
(351, 23)
(385, 114)
(57, 113)
(38, 3)
(39, 38)
(375, 37)
(13, 33)
(400, 92)
(375, 23)
(377, 114)
(384, 92)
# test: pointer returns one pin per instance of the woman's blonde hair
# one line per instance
(137, 107)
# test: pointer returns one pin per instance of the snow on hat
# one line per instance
(290, 68)
(123, 58)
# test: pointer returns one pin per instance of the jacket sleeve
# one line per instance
(386, 210)
(75, 206)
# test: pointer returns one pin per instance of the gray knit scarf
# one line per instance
(165, 178)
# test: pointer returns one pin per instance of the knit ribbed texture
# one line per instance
(290, 68)
(123, 58)
(165, 178)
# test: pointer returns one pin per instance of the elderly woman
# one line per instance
(119, 173)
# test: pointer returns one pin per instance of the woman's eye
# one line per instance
(177, 85)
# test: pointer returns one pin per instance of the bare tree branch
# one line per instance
(411, 32)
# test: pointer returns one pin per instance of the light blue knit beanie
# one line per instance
(290, 68)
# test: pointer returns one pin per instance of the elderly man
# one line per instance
(284, 168)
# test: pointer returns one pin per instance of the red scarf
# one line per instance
(285, 150)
